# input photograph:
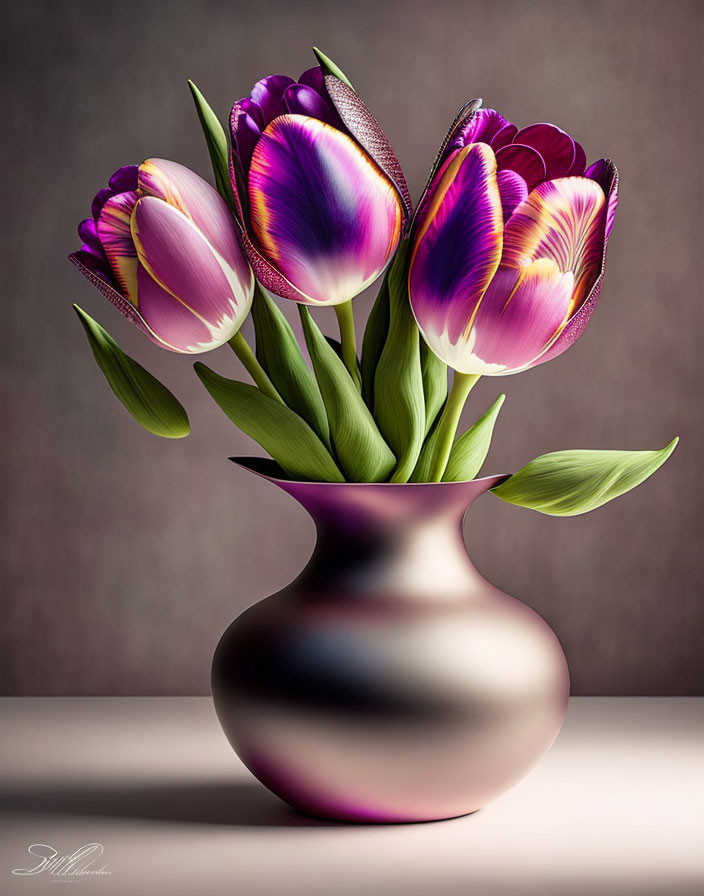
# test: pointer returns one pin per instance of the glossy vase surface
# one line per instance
(389, 682)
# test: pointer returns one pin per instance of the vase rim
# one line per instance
(268, 469)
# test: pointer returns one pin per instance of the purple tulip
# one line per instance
(509, 244)
(162, 246)
(321, 198)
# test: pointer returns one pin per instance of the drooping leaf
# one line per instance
(150, 403)
(566, 483)
(434, 383)
(373, 343)
(279, 430)
(217, 144)
(279, 354)
(399, 402)
(471, 448)
(329, 67)
(363, 454)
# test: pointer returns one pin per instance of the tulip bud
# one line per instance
(321, 197)
(162, 245)
(509, 245)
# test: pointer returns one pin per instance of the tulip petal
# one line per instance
(303, 100)
(170, 320)
(367, 131)
(124, 179)
(564, 220)
(513, 191)
(446, 149)
(314, 77)
(116, 238)
(554, 145)
(268, 94)
(482, 127)
(579, 320)
(519, 315)
(176, 254)
(88, 234)
(198, 201)
(93, 269)
(322, 212)
(457, 247)
(101, 197)
(504, 137)
(580, 161)
(524, 160)
(605, 174)
(245, 132)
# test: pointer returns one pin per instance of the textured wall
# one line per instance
(123, 556)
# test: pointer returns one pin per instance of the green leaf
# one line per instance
(217, 144)
(150, 403)
(278, 429)
(424, 467)
(279, 354)
(399, 403)
(329, 67)
(434, 383)
(374, 339)
(470, 450)
(567, 483)
(363, 454)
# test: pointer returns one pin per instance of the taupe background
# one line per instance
(124, 556)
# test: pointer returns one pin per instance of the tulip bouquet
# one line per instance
(498, 269)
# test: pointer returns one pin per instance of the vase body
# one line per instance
(389, 682)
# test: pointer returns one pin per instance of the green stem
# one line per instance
(447, 425)
(241, 348)
(348, 340)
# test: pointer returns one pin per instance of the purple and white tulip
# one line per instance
(509, 244)
(162, 246)
(321, 198)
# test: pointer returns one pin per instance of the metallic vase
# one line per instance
(389, 682)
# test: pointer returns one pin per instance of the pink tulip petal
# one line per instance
(504, 137)
(116, 238)
(367, 131)
(524, 160)
(198, 201)
(513, 191)
(519, 315)
(445, 151)
(580, 161)
(562, 220)
(176, 254)
(482, 127)
(457, 247)
(322, 212)
(605, 174)
(554, 145)
(579, 320)
(171, 321)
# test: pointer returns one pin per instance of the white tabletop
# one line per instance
(617, 807)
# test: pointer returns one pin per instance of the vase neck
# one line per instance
(385, 540)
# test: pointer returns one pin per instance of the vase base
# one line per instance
(353, 818)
